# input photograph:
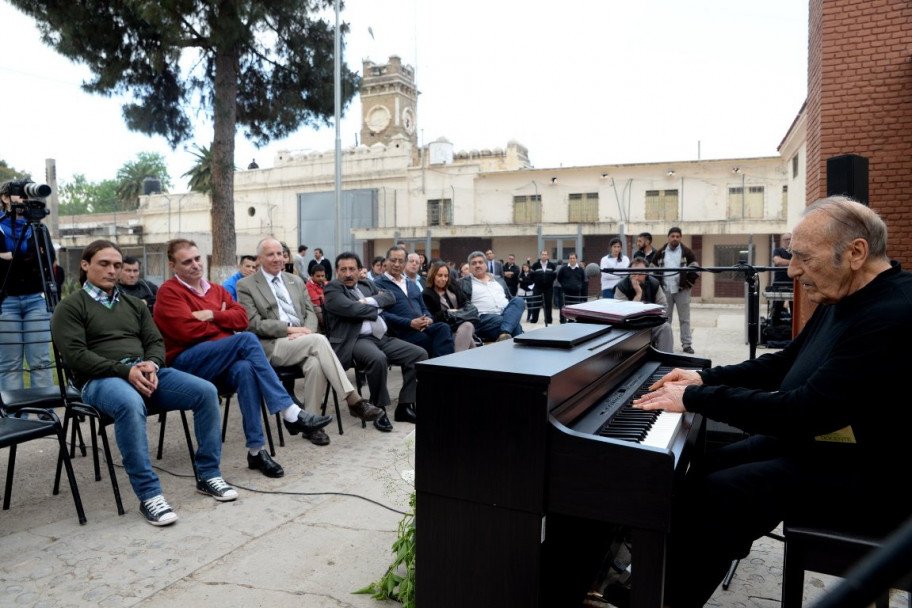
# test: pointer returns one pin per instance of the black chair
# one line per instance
(226, 395)
(828, 551)
(534, 302)
(15, 430)
(570, 301)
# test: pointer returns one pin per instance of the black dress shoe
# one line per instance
(318, 437)
(405, 412)
(383, 423)
(264, 462)
(307, 423)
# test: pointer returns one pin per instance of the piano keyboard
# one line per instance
(613, 417)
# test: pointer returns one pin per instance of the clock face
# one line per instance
(408, 120)
(378, 119)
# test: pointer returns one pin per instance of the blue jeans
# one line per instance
(491, 325)
(608, 293)
(239, 364)
(29, 315)
(176, 391)
(436, 340)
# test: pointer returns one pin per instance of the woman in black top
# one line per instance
(442, 295)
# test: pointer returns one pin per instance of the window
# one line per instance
(583, 207)
(731, 255)
(661, 204)
(785, 201)
(795, 166)
(440, 212)
(741, 206)
(527, 209)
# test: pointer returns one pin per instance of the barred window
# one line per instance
(661, 204)
(440, 212)
(583, 207)
(527, 209)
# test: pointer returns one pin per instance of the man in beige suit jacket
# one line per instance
(282, 316)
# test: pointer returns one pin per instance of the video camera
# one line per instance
(31, 207)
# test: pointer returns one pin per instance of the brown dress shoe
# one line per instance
(365, 410)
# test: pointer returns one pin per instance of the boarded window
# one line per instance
(661, 204)
(440, 212)
(583, 207)
(527, 209)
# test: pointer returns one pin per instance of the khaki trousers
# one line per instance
(319, 364)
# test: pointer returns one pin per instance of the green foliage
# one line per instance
(398, 583)
(82, 196)
(131, 175)
(265, 66)
(201, 173)
(7, 173)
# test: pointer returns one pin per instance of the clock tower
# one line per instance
(389, 102)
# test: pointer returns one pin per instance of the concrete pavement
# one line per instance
(309, 539)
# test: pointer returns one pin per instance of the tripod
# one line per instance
(37, 233)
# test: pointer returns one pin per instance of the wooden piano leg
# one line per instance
(648, 568)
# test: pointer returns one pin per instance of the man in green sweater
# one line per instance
(116, 354)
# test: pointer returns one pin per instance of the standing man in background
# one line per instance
(511, 274)
(677, 285)
(318, 259)
(545, 272)
(782, 256)
(494, 266)
(300, 262)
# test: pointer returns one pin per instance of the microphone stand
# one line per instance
(747, 271)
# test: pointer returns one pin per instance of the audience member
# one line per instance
(246, 267)
(781, 257)
(544, 272)
(117, 358)
(495, 267)
(378, 267)
(300, 262)
(286, 256)
(572, 278)
(640, 287)
(358, 334)
(413, 269)
(408, 318)
(644, 247)
(499, 314)
(465, 270)
(315, 291)
(319, 259)
(511, 274)
(614, 259)
(816, 453)
(132, 285)
(204, 332)
(280, 313)
(677, 285)
(443, 299)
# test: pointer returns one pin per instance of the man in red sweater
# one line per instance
(205, 335)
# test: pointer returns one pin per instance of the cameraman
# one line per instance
(24, 317)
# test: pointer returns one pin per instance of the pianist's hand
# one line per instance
(668, 392)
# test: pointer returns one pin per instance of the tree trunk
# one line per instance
(224, 118)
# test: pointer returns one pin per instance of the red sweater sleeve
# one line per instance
(181, 330)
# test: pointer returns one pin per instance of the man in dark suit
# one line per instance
(408, 317)
(357, 333)
(495, 267)
(511, 274)
(544, 271)
(319, 260)
(283, 318)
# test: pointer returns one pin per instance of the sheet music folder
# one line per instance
(565, 335)
(621, 313)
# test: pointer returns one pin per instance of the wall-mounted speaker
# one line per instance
(848, 175)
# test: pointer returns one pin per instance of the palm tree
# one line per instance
(201, 173)
(130, 177)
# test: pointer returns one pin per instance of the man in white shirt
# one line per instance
(499, 315)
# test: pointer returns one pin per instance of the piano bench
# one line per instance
(828, 551)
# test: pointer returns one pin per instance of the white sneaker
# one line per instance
(217, 489)
(157, 511)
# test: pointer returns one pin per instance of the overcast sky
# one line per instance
(578, 82)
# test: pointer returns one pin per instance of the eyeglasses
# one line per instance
(396, 261)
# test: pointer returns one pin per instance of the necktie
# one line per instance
(491, 267)
(287, 308)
